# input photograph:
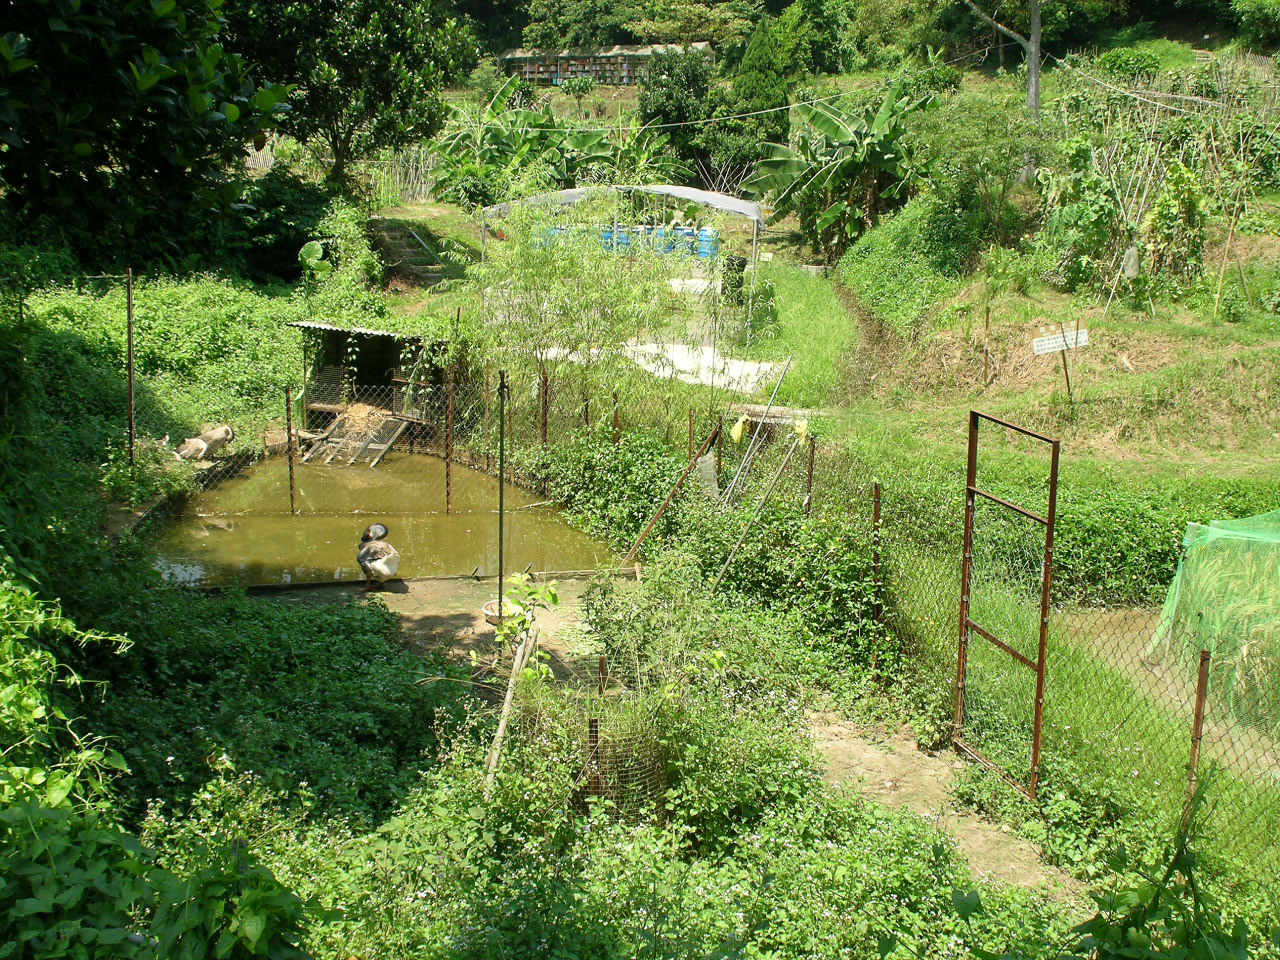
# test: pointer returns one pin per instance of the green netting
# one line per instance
(1226, 600)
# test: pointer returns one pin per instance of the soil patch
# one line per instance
(889, 767)
(445, 614)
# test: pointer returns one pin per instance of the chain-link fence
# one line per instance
(1134, 718)
(1131, 719)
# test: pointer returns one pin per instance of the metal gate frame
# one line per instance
(972, 492)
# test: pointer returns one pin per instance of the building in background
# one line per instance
(619, 65)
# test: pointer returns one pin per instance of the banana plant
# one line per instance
(843, 169)
(485, 150)
(640, 155)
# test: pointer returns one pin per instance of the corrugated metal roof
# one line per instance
(617, 50)
(319, 325)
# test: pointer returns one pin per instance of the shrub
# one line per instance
(276, 215)
(908, 264)
(74, 886)
(612, 490)
(1174, 230)
(1259, 18)
(1129, 64)
(312, 698)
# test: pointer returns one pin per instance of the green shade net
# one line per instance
(1226, 600)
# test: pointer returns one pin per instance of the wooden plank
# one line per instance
(319, 442)
(400, 428)
(363, 447)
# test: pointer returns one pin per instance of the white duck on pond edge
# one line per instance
(378, 559)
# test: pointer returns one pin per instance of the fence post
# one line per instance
(1197, 730)
(502, 480)
(289, 448)
(448, 439)
(719, 447)
(604, 673)
(1046, 588)
(808, 480)
(876, 495)
(133, 427)
(966, 574)
(586, 409)
(617, 421)
(877, 576)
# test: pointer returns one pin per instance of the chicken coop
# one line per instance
(370, 389)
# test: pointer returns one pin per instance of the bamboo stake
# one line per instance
(751, 522)
(499, 735)
(1226, 252)
(653, 522)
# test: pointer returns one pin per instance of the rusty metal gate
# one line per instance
(969, 627)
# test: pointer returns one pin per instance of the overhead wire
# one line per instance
(706, 121)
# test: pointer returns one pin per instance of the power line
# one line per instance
(984, 52)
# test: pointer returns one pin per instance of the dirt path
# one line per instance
(890, 768)
(446, 614)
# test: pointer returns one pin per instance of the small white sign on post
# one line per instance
(1062, 340)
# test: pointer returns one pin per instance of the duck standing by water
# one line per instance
(378, 559)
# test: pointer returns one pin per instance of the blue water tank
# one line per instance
(708, 243)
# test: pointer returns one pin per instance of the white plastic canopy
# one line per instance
(704, 198)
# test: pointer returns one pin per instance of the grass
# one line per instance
(1117, 736)
(813, 327)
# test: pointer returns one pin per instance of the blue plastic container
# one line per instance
(708, 243)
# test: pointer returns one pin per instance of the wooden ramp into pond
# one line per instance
(358, 432)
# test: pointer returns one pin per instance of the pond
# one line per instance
(242, 530)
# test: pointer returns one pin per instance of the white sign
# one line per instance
(1063, 340)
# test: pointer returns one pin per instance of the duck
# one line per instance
(378, 559)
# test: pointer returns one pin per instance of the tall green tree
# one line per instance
(579, 23)
(368, 72)
(678, 93)
(761, 83)
(683, 21)
(120, 118)
(1030, 44)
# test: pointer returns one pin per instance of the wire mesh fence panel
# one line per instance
(610, 735)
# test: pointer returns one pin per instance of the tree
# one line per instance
(579, 88)
(842, 167)
(116, 114)
(760, 84)
(678, 89)
(368, 72)
(1030, 44)
(578, 23)
(682, 21)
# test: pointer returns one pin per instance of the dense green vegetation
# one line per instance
(196, 775)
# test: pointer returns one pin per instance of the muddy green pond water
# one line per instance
(242, 531)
